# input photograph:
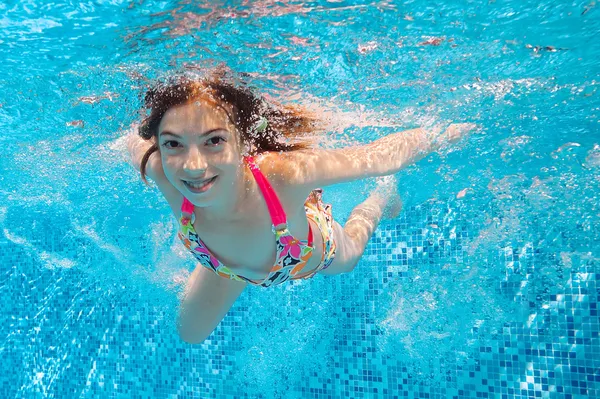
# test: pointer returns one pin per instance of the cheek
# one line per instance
(229, 164)
(228, 156)
(170, 165)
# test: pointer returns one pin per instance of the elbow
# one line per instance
(190, 330)
(350, 268)
(192, 339)
(191, 335)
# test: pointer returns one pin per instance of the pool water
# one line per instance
(485, 286)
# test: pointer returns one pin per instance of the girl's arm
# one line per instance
(307, 169)
(137, 147)
(207, 299)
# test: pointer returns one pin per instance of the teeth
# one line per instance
(198, 185)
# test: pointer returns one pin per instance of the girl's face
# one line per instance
(200, 152)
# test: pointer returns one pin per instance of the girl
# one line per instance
(240, 176)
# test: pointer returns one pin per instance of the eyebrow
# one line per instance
(166, 132)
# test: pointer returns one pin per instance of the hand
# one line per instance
(456, 131)
(121, 146)
(387, 187)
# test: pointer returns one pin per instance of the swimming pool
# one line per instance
(485, 286)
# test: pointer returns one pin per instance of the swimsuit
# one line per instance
(292, 254)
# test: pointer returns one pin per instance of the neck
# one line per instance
(231, 209)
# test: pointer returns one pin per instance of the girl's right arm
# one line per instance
(137, 147)
(208, 298)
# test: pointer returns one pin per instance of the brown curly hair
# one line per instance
(287, 125)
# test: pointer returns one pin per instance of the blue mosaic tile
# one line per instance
(422, 316)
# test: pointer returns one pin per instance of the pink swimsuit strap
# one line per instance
(278, 217)
(276, 211)
(187, 206)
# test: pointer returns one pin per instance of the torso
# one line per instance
(248, 248)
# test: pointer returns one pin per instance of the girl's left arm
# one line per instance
(308, 169)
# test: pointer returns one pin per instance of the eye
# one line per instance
(170, 144)
(216, 140)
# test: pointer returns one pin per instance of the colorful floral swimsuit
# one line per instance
(292, 254)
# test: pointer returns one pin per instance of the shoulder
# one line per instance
(284, 170)
(273, 165)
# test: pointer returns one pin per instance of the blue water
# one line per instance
(485, 286)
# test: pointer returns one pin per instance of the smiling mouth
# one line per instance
(201, 186)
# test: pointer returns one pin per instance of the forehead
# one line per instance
(194, 117)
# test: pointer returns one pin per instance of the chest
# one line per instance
(249, 248)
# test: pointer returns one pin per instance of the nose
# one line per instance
(195, 163)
